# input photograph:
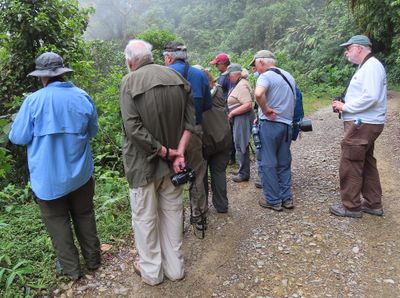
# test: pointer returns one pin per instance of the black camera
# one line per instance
(304, 125)
(341, 99)
(186, 175)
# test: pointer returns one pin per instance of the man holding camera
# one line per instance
(275, 96)
(363, 111)
(175, 57)
(158, 120)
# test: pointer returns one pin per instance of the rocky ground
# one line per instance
(254, 252)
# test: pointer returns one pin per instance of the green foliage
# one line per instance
(113, 210)
(25, 244)
(158, 38)
(30, 28)
(5, 163)
(13, 196)
(107, 145)
(106, 55)
(11, 274)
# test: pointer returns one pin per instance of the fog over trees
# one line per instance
(305, 29)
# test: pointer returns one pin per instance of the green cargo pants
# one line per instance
(57, 215)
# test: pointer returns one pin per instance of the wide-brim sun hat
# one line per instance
(49, 64)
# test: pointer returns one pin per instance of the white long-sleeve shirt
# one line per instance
(366, 96)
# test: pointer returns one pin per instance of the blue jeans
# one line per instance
(274, 161)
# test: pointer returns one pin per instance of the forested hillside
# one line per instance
(308, 31)
(91, 34)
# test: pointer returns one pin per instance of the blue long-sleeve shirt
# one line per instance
(56, 124)
(200, 88)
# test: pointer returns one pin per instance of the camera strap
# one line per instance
(277, 71)
(186, 70)
(362, 63)
(342, 96)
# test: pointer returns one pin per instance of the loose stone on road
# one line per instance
(305, 252)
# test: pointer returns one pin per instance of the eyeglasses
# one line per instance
(348, 49)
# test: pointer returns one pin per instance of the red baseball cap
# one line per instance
(222, 57)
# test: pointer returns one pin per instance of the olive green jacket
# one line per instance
(156, 106)
(217, 135)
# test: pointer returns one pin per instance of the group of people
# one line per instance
(175, 117)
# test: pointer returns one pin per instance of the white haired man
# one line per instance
(275, 95)
(363, 112)
(158, 117)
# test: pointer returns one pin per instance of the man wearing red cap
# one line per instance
(222, 62)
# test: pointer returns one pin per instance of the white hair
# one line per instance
(177, 55)
(139, 51)
(367, 48)
(267, 60)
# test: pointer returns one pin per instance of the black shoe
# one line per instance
(71, 276)
(93, 267)
(239, 179)
(377, 212)
(222, 211)
(200, 223)
(276, 207)
(258, 184)
(200, 226)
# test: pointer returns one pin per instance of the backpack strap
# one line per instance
(275, 70)
(185, 70)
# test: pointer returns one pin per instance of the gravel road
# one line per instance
(305, 252)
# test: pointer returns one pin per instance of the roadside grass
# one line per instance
(313, 102)
(27, 259)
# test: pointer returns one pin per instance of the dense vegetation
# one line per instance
(304, 33)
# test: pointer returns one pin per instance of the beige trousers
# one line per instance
(157, 221)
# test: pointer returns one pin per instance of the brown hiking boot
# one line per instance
(263, 203)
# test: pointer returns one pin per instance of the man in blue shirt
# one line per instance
(175, 56)
(56, 124)
(222, 62)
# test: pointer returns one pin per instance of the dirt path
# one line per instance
(253, 252)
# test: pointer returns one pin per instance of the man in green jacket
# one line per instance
(158, 119)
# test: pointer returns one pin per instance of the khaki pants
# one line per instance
(358, 172)
(157, 211)
(198, 196)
